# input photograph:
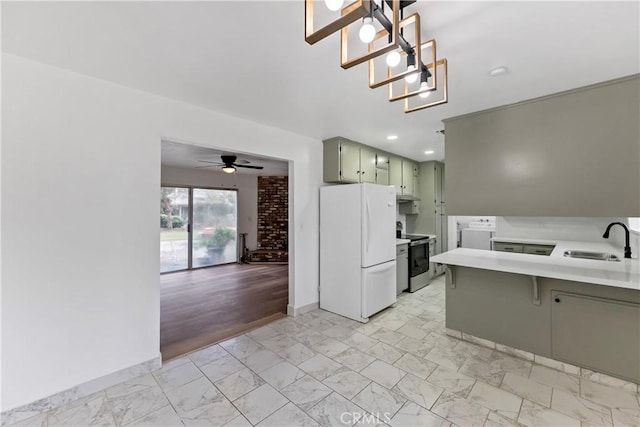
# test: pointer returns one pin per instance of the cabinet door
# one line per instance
(407, 178)
(367, 165)
(442, 183)
(438, 182)
(538, 249)
(416, 169)
(395, 173)
(596, 333)
(382, 176)
(382, 161)
(508, 247)
(349, 162)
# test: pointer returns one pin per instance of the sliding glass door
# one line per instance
(174, 229)
(198, 227)
(215, 214)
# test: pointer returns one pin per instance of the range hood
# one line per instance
(406, 198)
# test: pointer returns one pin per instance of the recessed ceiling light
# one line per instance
(428, 152)
(498, 71)
(392, 137)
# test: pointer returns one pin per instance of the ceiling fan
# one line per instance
(229, 164)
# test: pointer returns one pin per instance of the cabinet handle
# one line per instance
(557, 299)
(362, 172)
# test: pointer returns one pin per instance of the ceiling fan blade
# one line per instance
(243, 162)
(213, 163)
(249, 167)
(210, 166)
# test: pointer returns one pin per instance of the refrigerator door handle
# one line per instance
(368, 225)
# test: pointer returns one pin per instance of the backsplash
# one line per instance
(565, 228)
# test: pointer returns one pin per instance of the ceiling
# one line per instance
(189, 156)
(249, 59)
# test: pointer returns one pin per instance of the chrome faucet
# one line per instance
(627, 248)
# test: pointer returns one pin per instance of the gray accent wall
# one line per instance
(575, 153)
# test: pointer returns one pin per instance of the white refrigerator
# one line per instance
(357, 249)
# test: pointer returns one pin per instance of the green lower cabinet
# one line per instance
(538, 249)
(508, 247)
(591, 326)
(597, 333)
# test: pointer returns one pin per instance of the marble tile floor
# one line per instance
(320, 369)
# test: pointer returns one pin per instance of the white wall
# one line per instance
(564, 228)
(247, 186)
(80, 278)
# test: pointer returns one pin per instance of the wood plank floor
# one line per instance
(201, 307)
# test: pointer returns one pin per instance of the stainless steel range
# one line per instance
(418, 261)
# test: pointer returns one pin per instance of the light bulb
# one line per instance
(411, 78)
(393, 59)
(367, 31)
(424, 86)
(334, 5)
(229, 169)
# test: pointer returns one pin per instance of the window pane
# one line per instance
(174, 235)
(215, 214)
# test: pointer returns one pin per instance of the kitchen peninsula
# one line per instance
(584, 313)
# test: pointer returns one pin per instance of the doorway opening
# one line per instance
(223, 246)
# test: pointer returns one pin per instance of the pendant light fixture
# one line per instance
(367, 32)
(393, 59)
(334, 5)
(387, 35)
(379, 26)
(411, 66)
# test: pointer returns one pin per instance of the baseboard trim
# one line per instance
(45, 404)
(299, 311)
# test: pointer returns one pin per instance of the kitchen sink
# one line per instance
(602, 256)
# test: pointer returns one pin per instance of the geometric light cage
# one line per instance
(350, 14)
(392, 43)
(373, 83)
(406, 93)
(410, 106)
(411, 50)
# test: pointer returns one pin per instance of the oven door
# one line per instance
(418, 258)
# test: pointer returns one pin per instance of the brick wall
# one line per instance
(273, 212)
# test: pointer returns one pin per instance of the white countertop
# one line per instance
(402, 241)
(623, 274)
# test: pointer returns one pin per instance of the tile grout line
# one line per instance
(165, 393)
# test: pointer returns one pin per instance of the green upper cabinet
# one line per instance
(382, 169)
(395, 173)
(349, 155)
(348, 161)
(407, 177)
(367, 165)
